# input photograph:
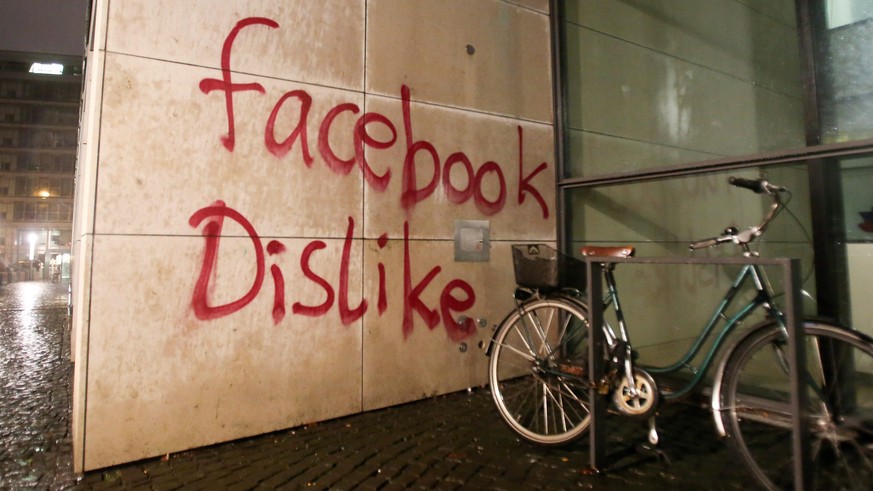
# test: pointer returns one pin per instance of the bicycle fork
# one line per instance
(621, 359)
(621, 353)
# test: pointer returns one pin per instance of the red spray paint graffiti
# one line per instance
(213, 218)
(412, 192)
(207, 85)
(457, 295)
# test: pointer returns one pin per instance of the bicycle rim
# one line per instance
(530, 348)
(756, 407)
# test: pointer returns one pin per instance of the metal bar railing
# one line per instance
(792, 309)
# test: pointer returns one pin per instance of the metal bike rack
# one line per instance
(792, 309)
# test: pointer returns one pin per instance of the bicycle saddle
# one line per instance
(613, 251)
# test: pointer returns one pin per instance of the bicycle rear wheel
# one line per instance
(537, 371)
(754, 406)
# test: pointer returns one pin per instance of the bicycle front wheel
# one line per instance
(537, 371)
(754, 401)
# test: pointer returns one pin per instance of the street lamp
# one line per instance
(32, 239)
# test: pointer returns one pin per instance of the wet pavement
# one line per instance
(35, 384)
(449, 442)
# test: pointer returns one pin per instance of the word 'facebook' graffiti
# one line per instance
(456, 296)
(412, 192)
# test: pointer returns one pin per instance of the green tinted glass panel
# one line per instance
(666, 306)
(847, 95)
(651, 84)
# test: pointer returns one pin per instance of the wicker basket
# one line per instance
(542, 267)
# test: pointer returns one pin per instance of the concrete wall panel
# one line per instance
(162, 380)
(538, 5)
(317, 42)
(506, 158)
(427, 45)
(162, 158)
(426, 358)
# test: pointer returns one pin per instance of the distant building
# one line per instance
(39, 121)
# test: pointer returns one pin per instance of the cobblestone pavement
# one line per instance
(35, 383)
(449, 442)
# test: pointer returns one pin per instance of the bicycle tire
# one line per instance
(541, 337)
(753, 403)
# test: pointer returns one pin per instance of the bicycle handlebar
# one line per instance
(759, 186)
(744, 238)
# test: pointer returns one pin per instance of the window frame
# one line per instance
(820, 159)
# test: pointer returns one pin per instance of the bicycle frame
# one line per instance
(553, 375)
(763, 299)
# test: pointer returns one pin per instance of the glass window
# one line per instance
(847, 98)
(649, 85)
(856, 177)
(857, 182)
(653, 91)
(660, 218)
(844, 12)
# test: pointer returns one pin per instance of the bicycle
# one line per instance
(538, 366)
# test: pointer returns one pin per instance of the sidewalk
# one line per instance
(457, 441)
(450, 442)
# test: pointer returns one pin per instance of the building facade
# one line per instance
(39, 121)
(289, 211)
(271, 200)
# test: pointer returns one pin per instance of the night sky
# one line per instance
(43, 26)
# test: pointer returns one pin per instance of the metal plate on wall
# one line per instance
(472, 240)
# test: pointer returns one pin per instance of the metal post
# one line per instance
(596, 430)
(797, 374)
(793, 312)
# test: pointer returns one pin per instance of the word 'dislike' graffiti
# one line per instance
(413, 189)
(212, 220)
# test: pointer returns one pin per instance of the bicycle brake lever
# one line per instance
(729, 234)
(703, 244)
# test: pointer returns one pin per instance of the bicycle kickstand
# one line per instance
(653, 431)
(651, 447)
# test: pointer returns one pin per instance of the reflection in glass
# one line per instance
(649, 85)
(661, 217)
(857, 182)
(847, 101)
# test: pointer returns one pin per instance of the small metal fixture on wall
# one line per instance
(472, 240)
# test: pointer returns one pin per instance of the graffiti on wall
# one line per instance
(457, 295)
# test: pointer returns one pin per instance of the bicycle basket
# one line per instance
(542, 267)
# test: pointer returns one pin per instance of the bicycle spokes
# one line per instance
(756, 409)
(533, 372)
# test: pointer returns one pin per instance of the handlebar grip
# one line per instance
(756, 185)
(703, 244)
